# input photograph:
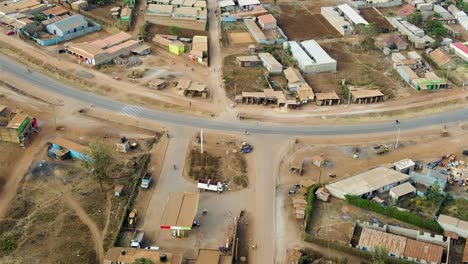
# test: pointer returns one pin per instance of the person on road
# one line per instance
(397, 121)
(175, 167)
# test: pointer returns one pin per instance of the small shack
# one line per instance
(405, 189)
(330, 98)
(404, 166)
(177, 47)
(192, 89)
(118, 190)
(249, 61)
(322, 194)
(366, 96)
(267, 21)
(80, 4)
(123, 146)
(157, 84)
(61, 149)
(15, 127)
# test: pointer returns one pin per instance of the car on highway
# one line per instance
(9, 33)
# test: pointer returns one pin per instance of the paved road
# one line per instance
(11, 67)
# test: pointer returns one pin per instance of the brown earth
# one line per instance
(165, 30)
(373, 16)
(220, 161)
(299, 24)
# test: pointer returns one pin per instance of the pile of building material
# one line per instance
(300, 204)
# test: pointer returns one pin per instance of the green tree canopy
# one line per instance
(415, 18)
(436, 28)
(379, 255)
(99, 160)
(142, 261)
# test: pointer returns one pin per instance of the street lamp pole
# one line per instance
(398, 138)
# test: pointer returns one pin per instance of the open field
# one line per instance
(221, 161)
(247, 79)
(370, 69)
(59, 213)
(181, 32)
(293, 18)
(373, 16)
(236, 38)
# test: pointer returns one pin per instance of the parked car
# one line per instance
(10, 32)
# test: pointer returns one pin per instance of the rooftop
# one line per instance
(421, 250)
(181, 209)
(114, 255)
(160, 8)
(85, 49)
(293, 75)
(403, 189)
(208, 256)
(440, 57)
(327, 96)
(365, 93)
(226, 3)
(126, 44)
(64, 143)
(352, 14)
(111, 40)
(17, 120)
(318, 54)
(248, 2)
(56, 11)
(368, 181)
(371, 238)
(200, 43)
(248, 58)
(404, 163)
(269, 59)
(265, 19)
(71, 22)
(461, 46)
(299, 54)
(405, 10)
(186, 11)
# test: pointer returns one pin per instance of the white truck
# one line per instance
(145, 182)
(137, 239)
(207, 185)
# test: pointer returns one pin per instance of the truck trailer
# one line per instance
(207, 185)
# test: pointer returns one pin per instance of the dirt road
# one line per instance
(96, 234)
(215, 82)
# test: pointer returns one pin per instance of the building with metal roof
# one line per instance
(68, 25)
(270, 63)
(351, 15)
(368, 183)
(180, 211)
(310, 57)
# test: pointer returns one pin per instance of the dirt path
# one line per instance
(17, 174)
(108, 214)
(96, 234)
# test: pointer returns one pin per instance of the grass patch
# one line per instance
(203, 166)
(457, 208)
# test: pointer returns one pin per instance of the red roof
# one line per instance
(265, 19)
(405, 10)
(461, 46)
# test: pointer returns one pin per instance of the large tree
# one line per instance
(379, 255)
(98, 161)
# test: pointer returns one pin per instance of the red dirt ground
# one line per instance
(298, 24)
(373, 16)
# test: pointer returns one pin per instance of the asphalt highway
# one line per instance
(11, 67)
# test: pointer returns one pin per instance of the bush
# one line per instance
(407, 217)
(7, 244)
(241, 181)
(310, 203)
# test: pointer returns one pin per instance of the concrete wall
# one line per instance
(53, 41)
(168, 21)
(375, 3)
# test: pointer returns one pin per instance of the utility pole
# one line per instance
(398, 138)
(201, 141)
(235, 91)
(55, 117)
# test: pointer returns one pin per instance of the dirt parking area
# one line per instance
(60, 214)
(237, 38)
(334, 220)
(370, 69)
(221, 161)
(373, 16)
(293, 17)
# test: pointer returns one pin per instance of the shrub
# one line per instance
(407, 217)
(7, 244)
(241, 181)
(310, 203)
